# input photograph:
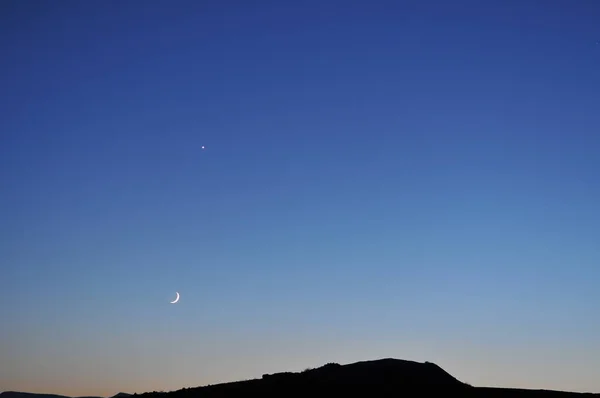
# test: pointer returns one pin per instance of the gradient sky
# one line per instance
(408, 179)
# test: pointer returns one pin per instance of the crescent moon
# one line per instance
(176, 298)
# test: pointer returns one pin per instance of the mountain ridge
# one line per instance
(372, 378)
(21, 394)
(380, 377)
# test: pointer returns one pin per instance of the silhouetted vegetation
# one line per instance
(381, 378)
(386, 377)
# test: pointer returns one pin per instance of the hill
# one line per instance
(378, 378)
(16, 394)
(385, 377)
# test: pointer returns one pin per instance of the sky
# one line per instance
(406, 179)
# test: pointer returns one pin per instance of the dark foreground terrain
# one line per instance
(14, 394)
(380, 378)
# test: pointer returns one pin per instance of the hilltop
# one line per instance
(377, 378)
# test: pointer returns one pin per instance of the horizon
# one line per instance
(59, 395)
(298, 372)
(320, 181)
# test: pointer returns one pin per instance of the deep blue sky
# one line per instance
(409, 179)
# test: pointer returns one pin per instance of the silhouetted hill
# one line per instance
(121, 395)
(379, 378)
(16, 394)
(385, 377)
